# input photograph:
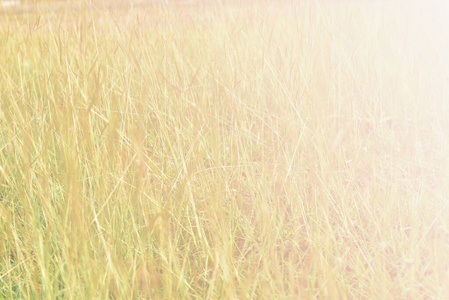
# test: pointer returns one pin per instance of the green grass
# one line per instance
(224, 151)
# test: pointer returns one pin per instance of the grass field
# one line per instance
(238, 150)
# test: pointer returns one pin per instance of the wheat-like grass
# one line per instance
(227, 150)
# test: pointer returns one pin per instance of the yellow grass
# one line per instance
(237, 150)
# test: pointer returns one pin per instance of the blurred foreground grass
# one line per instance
(240, 150)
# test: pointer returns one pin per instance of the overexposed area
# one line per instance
(7, 3)
(224, 149)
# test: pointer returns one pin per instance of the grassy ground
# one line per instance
(223, 151)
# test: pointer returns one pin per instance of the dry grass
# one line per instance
(219, 151)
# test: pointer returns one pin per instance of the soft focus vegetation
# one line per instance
(241, 150)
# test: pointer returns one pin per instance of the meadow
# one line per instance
(225, 150)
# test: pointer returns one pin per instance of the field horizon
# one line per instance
(227, 150)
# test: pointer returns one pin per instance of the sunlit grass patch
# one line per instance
(224, 150)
